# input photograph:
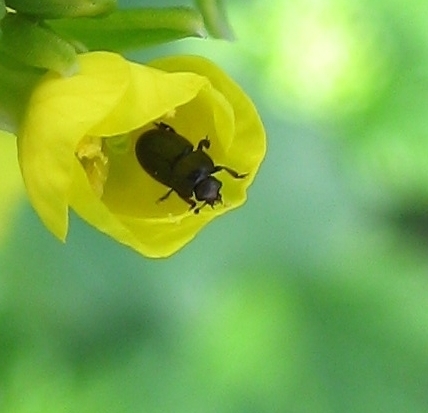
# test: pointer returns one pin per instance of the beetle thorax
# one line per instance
(208, 190)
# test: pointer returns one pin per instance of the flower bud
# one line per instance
(34, 44)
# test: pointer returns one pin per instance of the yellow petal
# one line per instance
(62, 111)
(150, 94)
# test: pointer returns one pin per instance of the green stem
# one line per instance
(215, 19)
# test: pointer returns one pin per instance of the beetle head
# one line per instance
(208, 190)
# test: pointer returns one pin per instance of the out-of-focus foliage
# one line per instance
(11, 188)
(312, 298)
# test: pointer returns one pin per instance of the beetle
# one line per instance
(171, 159)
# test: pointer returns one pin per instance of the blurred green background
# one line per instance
(311, 298)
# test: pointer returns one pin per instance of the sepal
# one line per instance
(55, 9)
(32, 43)
(132, 28)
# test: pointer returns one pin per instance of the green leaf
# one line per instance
(54, 9)
(215, 18)
(132, 28)
(32, 43)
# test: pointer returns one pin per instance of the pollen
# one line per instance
(170, 114)
(94, 161)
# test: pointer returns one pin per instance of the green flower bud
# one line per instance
(30, 42)
(56, 9)
(132, 28)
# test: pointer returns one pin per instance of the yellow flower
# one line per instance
(76, 146)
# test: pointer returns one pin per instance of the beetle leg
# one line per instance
(204, 143)
(196, 211)
(188, 200)
(162, 198)
(230, 171)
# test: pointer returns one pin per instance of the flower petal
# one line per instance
(61, 111)
(151, 94)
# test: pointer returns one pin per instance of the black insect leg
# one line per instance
(196, 211)
(204, 143)
(230, 171)
(162, 198)
(190, 201)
